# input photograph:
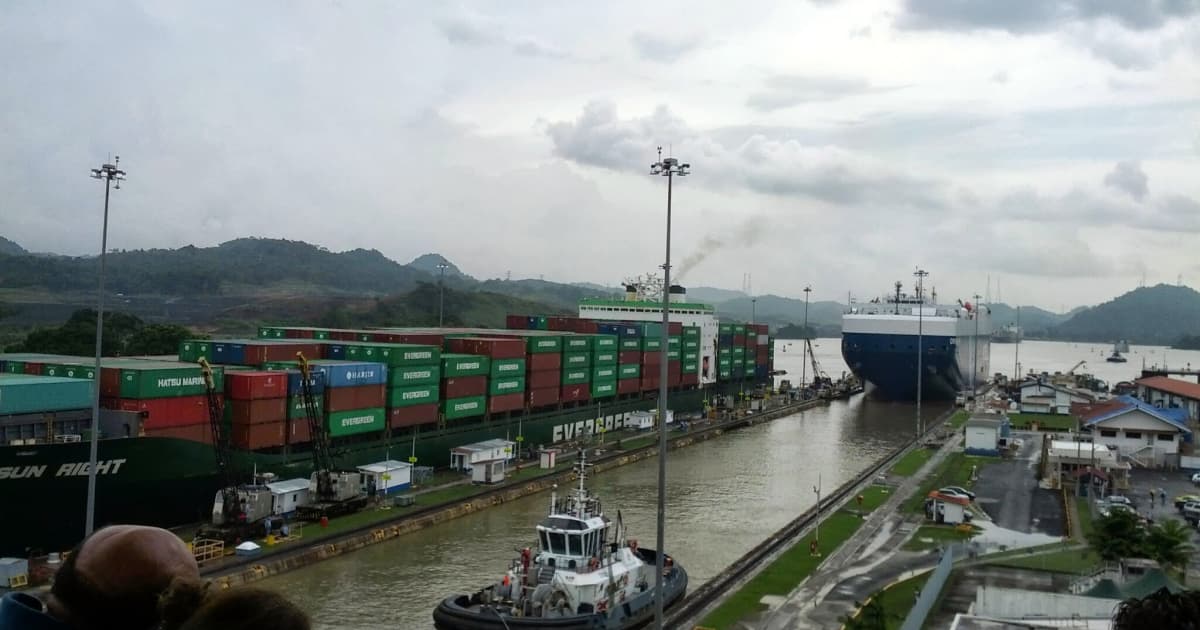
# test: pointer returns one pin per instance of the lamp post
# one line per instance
(441, 291)
(669, 168)
(753, 309)
(975, 348)
(804, 359)
(920, 274)
(817, 522)
(109, 173)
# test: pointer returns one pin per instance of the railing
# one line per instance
(930, 591)
(207, 549)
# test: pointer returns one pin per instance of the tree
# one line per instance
(1118, 535)
(1168, 542)
(124, 334)
(158, 339)
(872, 617)
(1160, 609)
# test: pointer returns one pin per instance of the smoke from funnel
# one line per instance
(744, 235)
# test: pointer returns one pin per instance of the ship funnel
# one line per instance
(677, 294)
(631, 293)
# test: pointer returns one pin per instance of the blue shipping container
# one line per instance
(724, 340)
(228, 353)
(531, 322)
(316, 378)
(353, 374)
(621, 330)
(760, 373)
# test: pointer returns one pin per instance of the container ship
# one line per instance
(384, 394)
(879, 344)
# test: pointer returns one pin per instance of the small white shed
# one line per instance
(386, 477)
(646, 419)
(287, 495)
(982, 435)
(490, 471)
(465, 457)
(548, 458)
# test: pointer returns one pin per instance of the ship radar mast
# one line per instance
(644, 288)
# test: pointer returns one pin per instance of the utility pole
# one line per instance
(441, 290)
(108, 173)
(975, 347)
(804, 362)
(753, 308)
(669, 168)
(817, 522)
(920, 274)
(1017, 350)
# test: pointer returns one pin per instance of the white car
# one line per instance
(1196, 478)
(958, 490)
(1117, 499)
(951, 492)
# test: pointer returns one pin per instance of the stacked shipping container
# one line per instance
(505, 369)
(464, 385)
(170, 397)
(257, 408)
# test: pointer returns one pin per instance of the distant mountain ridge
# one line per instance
(1157, 315)
(11, 248)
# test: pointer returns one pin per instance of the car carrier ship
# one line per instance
(880, 339)
(413, 394)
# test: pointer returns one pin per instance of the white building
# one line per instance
(386, 477)
(1068, 461)
(287, 495)
(946, 509)
(1043, 397)
(465, 457)
(633, 309)
(982, 434)
(1140, 432)
(1168, 393)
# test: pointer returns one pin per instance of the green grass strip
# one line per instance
(912, 462)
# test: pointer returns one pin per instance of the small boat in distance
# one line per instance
(1116, 357)
(583, 574)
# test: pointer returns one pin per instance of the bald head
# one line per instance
(114, 577)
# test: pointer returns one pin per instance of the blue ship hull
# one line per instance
(889, 362)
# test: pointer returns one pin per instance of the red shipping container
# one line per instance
(196, 432)
(256, 436)
(675, 328)
(257, 411)
(542, 397)
(343, 335)
(674, 367)
(424, 339)
(292, 333)
(298, 431)
(586, 327)
(652, 358)
(626, 357)
(516, 322)
(161, 413)
(33, 368)
(110, 382)
(739, 340)
(689, 378)
(506, 402)
(650, 382)
(257, 353)
(576, 392)
(461, 386)
(415, 415)
(543, 361)
(673, 379)
(764, 354)
(494, 347)
(362, 397)
(543, 379)
(241, 385)
(629, 386)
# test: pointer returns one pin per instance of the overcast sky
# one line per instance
(1053, 144)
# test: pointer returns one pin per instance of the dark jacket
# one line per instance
(22, 611)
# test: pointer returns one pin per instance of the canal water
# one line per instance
(725, 496)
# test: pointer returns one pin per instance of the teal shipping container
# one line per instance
(34, 394)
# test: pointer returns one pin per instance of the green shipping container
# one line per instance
(651, 329)
(193, 351)
(691, 344)
(604, 342)
(739, 352)
(673, 355)
(509, 385)
(604, 389)
(270, 332)
(725, 329)
(690, 367)
(607, 357)
(738, 362)
(631, 343)
(464, 365)
(507, 367)
(21, 394)
(725, 373)
(691, 332)
(357, 421)
(407, 396)
(296, 406)
(739, 329)
(468, 407)
(576, 343)
(166, 382)
(577, 376)
(690, 357)
(542, 323)
(543, 343)
(12, 366)
(631, 370)
(674, 341)
(725, 352)
(650, 344)
(605, 373)
(392, 354)
(412, 375)
(576, 360)
(724, 362)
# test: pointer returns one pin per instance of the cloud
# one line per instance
(862, 31)
(783, 91)
(652, 47)
(1030, 16)
(469, 29)
(1129, 178)
(784, 168)
(1000, 76)
(1177, 213)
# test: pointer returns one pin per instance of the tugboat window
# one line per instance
(576, 544)
(558, 543)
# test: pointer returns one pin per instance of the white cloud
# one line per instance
(1129, 178)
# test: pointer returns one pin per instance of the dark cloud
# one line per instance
(783, 91)
(1029, 16)
(652, 47)
(1177, 213)
(780, 167)
(1129, 178)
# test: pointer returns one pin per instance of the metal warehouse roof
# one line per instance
(1172, 386)
(1174, 417)
(385, 466)
(288, 485)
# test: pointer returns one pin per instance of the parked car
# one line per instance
(1110, 508)
(1184, 498)
(959, 493)
(1118, 499)
(1196, 478)
(958, 490)
(1191, 512)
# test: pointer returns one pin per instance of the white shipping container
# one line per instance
(764, 340)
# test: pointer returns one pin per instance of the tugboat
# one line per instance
(583, 574)
(1116, 357)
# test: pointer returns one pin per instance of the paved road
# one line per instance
(1008, 491)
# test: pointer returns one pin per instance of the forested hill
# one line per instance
(1158, 315)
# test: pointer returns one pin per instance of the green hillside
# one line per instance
(1158, 315)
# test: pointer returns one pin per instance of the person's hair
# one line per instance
(192, 605)
(1160, 609)
(104, 609)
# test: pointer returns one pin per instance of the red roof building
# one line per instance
(1166, 392)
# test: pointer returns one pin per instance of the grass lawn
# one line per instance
(1045, 421)
(955, 470)
(1066, 561)
(912, 461)
(873, 497)
(899, 599)
(1084, 508)
(936, 535)
(785, 573)
(958, 419)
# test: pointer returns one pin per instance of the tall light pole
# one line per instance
(669, 168)
(1017, 350)
(109, 173)
(804, 361)
(441, 290)
(753, 309)
(975, 346)
(920, 274)
(817, 521)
